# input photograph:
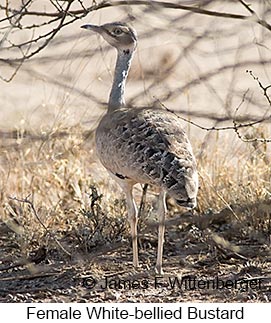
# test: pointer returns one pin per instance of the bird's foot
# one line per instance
(159, 270)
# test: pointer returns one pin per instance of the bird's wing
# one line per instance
(149, 145)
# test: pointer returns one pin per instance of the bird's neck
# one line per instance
(116, 98)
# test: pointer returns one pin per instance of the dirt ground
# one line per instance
(199, 266)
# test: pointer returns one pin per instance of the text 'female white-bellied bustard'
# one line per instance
(143, 145)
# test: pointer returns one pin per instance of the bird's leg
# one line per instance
(133, 218)
(162, 208)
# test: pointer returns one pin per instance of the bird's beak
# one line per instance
(92, 27)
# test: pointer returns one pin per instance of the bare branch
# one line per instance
(264, 88)
(152, 4)
(62, 11)
(235, 126)
(247, 7)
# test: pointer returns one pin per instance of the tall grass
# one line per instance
(72, 200)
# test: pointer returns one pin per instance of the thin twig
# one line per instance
(33, 209)
(153, 4)
(264, 88)
(237, 126)
(247, 7)
(244, 125)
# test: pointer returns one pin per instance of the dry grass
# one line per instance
(56, 196)
(69, 190)
(54, 173)
(233, 173)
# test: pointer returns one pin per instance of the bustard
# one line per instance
(143, 145)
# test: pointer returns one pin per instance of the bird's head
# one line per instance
(118, 34)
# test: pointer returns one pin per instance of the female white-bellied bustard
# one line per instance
(143, 145)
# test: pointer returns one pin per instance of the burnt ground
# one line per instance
(210, 261)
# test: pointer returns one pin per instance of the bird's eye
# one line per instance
(117, 31)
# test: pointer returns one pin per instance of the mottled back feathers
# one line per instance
(149, 146)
